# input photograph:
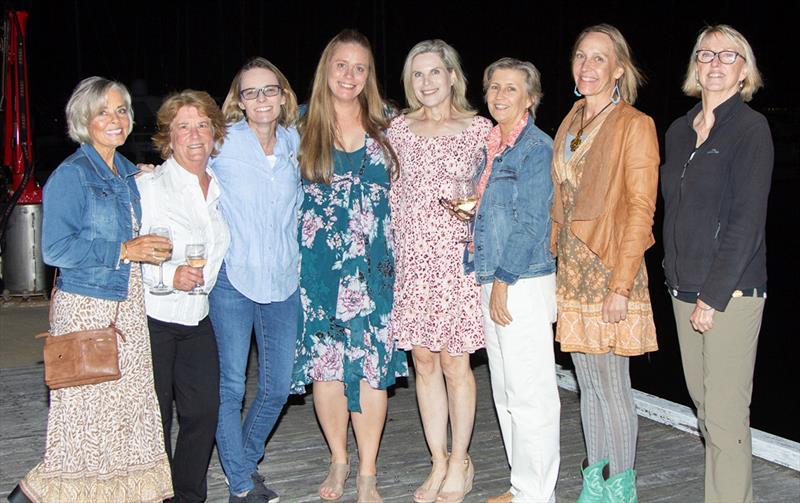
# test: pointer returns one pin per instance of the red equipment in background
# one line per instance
(23, 270)
(17, 145)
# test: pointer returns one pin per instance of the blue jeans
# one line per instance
(241, 445)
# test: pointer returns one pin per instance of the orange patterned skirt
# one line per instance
(581, 285)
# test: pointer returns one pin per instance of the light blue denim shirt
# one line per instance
(512, 227)
(261, 206)
(87, 217)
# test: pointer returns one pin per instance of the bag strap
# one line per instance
(50, 312)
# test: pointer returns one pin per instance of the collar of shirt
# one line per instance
(494, 141)
(284, 146)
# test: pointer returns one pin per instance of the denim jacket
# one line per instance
(512, 227)
(87, 217)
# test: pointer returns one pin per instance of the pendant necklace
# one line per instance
(576, 142)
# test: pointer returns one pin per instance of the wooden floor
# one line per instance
(669, 462)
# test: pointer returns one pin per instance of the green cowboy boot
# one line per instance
(594, 481)
(621, 488)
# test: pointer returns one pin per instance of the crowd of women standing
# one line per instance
(344, 232)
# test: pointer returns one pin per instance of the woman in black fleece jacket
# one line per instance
(715, 182)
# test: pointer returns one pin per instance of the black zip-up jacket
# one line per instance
(715, 203)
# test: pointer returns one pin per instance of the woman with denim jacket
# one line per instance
(104, 441)
(516, 271)
(605, 174)
(715, 181)
(257, 285)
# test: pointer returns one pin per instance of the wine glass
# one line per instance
(196, 258)
(163, 231)
(463, 201)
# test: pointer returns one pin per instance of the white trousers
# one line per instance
(524, 386)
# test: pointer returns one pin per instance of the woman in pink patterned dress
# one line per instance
(436, 312)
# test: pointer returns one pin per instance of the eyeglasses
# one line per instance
(252, 93)
(726, 57)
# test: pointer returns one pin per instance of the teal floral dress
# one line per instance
(346, 278)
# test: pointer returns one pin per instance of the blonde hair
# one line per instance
(533, 80)
(632, 77)
(452, 63)
(318, 125)
(204, 104)
(752, 80)
(86, 101)
(231, 108)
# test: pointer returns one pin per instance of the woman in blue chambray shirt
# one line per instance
(257, 286)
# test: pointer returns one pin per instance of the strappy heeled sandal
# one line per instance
(469, 475)
(429, 490)
(337, 476)
(366, 485)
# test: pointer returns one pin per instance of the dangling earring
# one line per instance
(577, 93)
(741, 85)
(616, 96)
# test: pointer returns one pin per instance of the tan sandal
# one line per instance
(429, 490)
(337, 476)
(366, 486)
(468, 474)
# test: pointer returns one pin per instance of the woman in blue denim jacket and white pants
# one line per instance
(514, 265)
(257, 286)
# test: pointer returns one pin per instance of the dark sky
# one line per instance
(200, 44)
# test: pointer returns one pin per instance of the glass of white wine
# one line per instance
(463, 202)
(163, 231)
(196, 258)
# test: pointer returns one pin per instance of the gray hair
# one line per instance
(88, 98)
(752, 81)
(533, 80)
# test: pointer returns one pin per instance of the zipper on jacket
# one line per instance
(675, 223)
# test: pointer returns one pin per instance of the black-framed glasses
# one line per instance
(252, 93)
(726, 57)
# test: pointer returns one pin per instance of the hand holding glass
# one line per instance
(196, 258)
(462, 204)
(163, 231)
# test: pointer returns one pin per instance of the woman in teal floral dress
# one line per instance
(347, 268)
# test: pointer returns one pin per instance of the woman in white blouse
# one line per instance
(183, 195)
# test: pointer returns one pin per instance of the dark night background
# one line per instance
(201, 44)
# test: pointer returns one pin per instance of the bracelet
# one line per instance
(124, 256)
(625, 292)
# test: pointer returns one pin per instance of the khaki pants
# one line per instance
(718, 366)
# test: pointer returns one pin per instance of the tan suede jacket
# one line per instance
(616, 200)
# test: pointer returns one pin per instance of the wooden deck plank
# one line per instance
(669, 462)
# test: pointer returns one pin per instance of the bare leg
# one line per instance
(330, 405)
(368, 427)
(461, 394)
(433, 409)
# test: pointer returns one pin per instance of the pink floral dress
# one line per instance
(436, 305)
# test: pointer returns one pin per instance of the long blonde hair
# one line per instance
(632, 78)
(452, 63)
(318, 125)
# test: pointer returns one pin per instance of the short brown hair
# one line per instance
(533, 79)
(204, 104)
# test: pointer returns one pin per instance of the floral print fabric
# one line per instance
(347, 277)
(436, 305)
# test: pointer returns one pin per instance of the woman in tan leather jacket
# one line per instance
(605, 174)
